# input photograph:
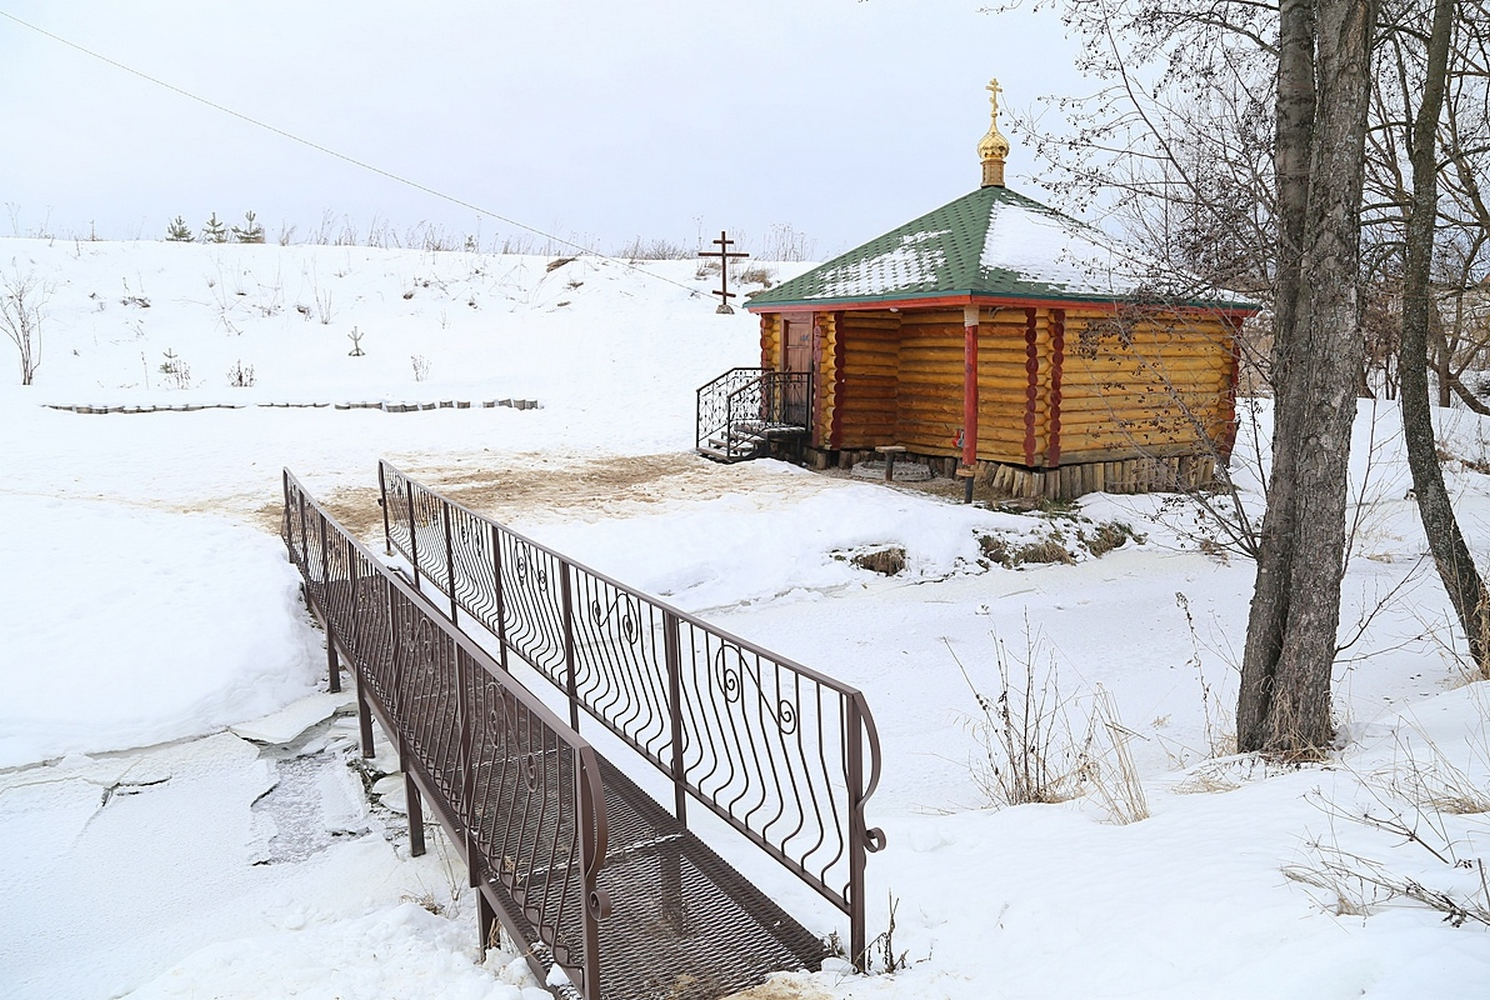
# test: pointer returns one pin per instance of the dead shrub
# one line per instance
(1029, 751)
(995, 548)
(755, 274)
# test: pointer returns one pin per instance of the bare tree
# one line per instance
(1323, 90)
(23, 300)
(1458, 329)
(1456, 568)
(1240, 125)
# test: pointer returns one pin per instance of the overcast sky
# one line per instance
(600, 120)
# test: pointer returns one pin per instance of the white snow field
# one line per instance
(177, 817)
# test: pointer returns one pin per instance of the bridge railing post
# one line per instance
(855, 736)
(284, 521)
(671, 627)
(571, 689)
(449, 564)
(304, 552)
(413, 531)
(496, 548)
(594, 837)
(383, 503)
(464, 679)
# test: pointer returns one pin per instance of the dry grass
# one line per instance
(1230, 773)
(1107, 536)
(1426, 777)
(755, 274)
(1420, 799)
(998, 549)
(1052, 547)
(1032, 752)
(887, 561)
(1114, 775)
(1029, 752)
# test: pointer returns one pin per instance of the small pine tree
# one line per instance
(249, 232)
(214, 231)
(179, 232)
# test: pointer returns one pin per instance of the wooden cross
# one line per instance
(725, 254)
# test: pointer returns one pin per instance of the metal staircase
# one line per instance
(740, 413)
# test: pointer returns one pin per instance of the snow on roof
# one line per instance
(915, 260)
(991, 242)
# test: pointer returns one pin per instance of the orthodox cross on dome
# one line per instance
(993, 148)
(725, 255)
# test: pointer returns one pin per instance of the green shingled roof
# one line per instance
(991, 242)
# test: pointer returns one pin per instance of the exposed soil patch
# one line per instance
(530, 485)
(603, 485)
(357, 509)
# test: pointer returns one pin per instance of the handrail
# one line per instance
(752, 399)
(773, 747)
(711, 402)
(515, 788)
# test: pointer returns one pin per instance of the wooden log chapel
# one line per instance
(997, 339)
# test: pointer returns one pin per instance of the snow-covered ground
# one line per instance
(176, 814)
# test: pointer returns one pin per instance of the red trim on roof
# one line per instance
(932, 302)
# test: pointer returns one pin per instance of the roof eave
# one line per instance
(964, 297)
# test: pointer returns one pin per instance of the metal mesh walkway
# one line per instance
(685, 925)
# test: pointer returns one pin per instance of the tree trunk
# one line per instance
(1323, 91)
(1468, 398)
(1445, 541)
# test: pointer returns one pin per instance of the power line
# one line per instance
(340, 156)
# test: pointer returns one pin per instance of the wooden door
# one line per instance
(799, 355)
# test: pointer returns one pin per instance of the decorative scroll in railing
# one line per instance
(784, 399)
(517, 790)
(753, 401)
(784, 754)
(712, 406)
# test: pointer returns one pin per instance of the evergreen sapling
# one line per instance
(179, 232)
(214, 231)
(249, 232)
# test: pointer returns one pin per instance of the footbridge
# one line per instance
(607, 891)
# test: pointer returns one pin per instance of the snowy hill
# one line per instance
(177, 817)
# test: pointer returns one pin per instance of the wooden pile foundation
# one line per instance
(1067, 482)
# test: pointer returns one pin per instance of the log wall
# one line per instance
(866, 396)
(828, 379)
(1079, 387)
(1004, 383)
(1150, 385)
(928, 404)
(772, 355)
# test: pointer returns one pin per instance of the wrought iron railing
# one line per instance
(754, 401)
(786, 755)
(518, 791)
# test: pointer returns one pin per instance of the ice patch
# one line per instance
(295, 718)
